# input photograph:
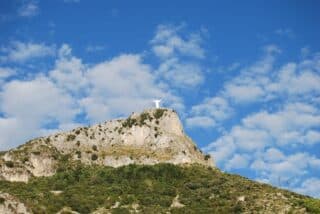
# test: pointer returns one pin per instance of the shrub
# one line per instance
(9, 164)
(78, 143)
(2, 200)
(36, 152)
(158, 113)
(25, 159)
(78, 154)
(129, 122)
(143, 117)
(94, 157)
(71, 137)
(77, 132)
(94, 148)
(207, 157)
(195, 148)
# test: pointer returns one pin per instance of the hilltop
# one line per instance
(151, 137)
(142, 164)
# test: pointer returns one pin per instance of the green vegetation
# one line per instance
(143, 117)
(159, 112)
(201, 190)
(71, 137)
(129, 122)
(9, 164)
(312, 205)
(94, 157)
(36, 152)
(207, 157)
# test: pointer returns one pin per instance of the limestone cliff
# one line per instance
(151, 137)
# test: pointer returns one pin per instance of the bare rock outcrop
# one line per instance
(11, 205)
(151, 137)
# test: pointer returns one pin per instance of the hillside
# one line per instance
(161, 188)
(142, 164)
(151, 137)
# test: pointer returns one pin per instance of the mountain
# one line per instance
(151, 137)
(142, 164)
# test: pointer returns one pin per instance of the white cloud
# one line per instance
(261, 139)
(274, 155)
(29, 105)
(249, 85)
(172, 47)
(211, 111)
(181, 75)
(69, 71)
(243, 93)
(123, 84)
(237, 162)
(29, 9)
(6, 72)
(217, 107)
(311, 186)
(46, 101)
(222, 149)
(288, 125)
(250, 139)
(312, 137)
(21, 52)
(101, 91)
(296, 82)
(200, 121)
(263, 82)
(168, 42)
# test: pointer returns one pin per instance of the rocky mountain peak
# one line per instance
(150, 137)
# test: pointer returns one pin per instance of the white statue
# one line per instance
(157, 103)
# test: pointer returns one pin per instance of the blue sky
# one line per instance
(244, 77)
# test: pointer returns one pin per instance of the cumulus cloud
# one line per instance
(200, 121)
(212, 110)
(167, 42)
(310, 186)
(53, 100)
(179, 54)
(274, 141)
(263, 82)
(289, 125)
(237, 162)
(69, 71)
(123, 84)
(261, 139)
(29, 105)
(6, 72)
(29, 9)
(19, 51)
(181, 75)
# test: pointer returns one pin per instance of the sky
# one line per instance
(243, 76)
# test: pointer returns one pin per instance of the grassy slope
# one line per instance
(201, 190)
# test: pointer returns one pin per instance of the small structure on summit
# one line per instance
(157, 103)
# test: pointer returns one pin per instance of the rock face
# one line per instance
(151, 137)
(11, 205)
